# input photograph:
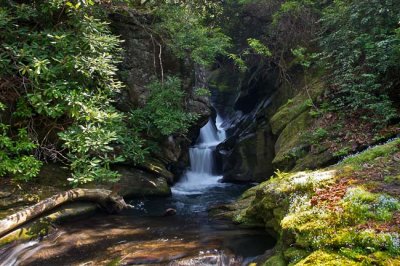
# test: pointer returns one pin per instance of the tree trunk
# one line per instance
(110, 202)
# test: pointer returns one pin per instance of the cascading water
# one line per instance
(202, 160)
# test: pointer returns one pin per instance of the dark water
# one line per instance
(144, 236)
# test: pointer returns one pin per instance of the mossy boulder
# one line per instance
(159, 169)
(276, 260)
(314, 160)
(135, 183)
(346, 214)
(291, 124)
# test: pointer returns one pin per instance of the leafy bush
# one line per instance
(356, 43)
(65, 57)
(164, 113)
(14, 155)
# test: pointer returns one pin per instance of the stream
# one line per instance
(145, 236)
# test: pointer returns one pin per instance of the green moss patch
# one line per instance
(295, 106)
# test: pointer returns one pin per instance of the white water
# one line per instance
(202, 161)
(17, 254)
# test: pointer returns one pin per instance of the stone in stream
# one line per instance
(169, 212)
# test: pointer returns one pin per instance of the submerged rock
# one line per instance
(169, 212)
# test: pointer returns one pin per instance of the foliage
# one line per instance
(163, 113)
(185, 33)
(202, 92)
(58, 60)
(364, 205)
(255, 47)
(14, 154)
(361, 47)
(65, 56)
(358, 160)
(207, 9)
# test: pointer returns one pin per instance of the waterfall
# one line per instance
(201, 175)
(18, 253)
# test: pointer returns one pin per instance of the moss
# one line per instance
(294, 255)
(225, 80)
(115, 262)
(295, 106)
(392, 179)
(42, 226)
(313, 161)
(276, 260)
(291, 141)
(249, 193)
(326, 258)
(27, 232)
(158, 168)
(371, 154)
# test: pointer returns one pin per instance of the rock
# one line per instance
(158, 168)
(5, 194)
(138, 69)
(291, 143)
(250, 159)
(169, 212)
(212, 258)
(138, 183)
(301, 208)
(328, 258)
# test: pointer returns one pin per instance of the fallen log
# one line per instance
(111, 202)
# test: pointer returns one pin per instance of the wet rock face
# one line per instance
(267, 124)
(250, 158)
(248, 152)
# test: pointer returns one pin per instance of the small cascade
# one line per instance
(202, 159)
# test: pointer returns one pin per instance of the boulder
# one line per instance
(138, 183)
